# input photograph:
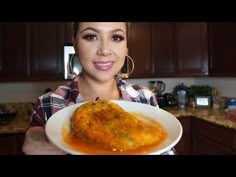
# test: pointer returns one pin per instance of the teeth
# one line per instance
(103, 64)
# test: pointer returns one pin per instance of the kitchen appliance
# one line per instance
(72, 66)
(6, 117)
(159, 89)
(160, 86)
(170, 99)
(164, 100)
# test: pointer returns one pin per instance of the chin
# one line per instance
(104, 76)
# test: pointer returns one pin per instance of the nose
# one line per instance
(104, 48)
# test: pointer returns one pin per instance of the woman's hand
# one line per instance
(36, 143)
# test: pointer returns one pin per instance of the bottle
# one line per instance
(182, 99)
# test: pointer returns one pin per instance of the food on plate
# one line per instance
(105, 124)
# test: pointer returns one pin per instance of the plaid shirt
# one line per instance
(63, 96)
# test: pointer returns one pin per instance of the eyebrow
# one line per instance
(98, 31)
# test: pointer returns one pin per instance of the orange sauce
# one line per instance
(88, 148)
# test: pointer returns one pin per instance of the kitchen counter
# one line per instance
(20, 123)
(216, 116)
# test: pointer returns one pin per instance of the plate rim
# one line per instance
(121, 103)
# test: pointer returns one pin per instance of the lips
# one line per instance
(103, 66)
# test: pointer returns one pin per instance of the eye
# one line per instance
(117, 38)
(90, 37)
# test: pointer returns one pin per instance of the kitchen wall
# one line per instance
(170, 82)
(28, 92)
(24, 92)
(227, 86)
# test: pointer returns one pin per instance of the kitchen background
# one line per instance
(28, 92)
(193, 53)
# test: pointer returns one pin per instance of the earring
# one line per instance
(132, 61)
(126, 73)
(70, 67)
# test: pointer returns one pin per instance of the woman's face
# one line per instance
(101, 47)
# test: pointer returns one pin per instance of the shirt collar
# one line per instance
(126, 89)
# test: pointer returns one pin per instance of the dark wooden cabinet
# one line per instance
(208, 138)
(46, 50)
(183, 147)
(163, 49)
(31, 51)
(180, 49)
(204, 146)
(222, 47)
(11, 144)
(68, 32)
(34, 51)
(139, 44)
(169, 49)
(191, 46)
(202, 138)
(14, 51)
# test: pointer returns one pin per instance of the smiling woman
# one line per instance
(101, 48)
(108, 47)
(72, 66)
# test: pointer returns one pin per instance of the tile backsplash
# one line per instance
(28, 92)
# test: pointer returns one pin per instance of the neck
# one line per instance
(90, 89)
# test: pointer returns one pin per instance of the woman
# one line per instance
(101, 47)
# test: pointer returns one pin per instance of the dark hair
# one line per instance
(75, 26)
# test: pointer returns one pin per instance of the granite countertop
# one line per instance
(20, 123)
(216, 116)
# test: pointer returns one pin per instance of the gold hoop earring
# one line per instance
(71, 72)
(132, 61)
(126, 73)
(70, 67)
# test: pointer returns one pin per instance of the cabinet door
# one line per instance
(68, 32)
(11, 144)
(139, 44)
(20, 138)
(46, 50)
(179, 49)
(163, 49)
(205, 146)
(191, 43)
(222, 37)
(208, 138)
(14, 51)
(184, 145)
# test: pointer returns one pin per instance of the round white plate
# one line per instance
(58, 120)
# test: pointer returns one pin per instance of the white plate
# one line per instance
(57, 121)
